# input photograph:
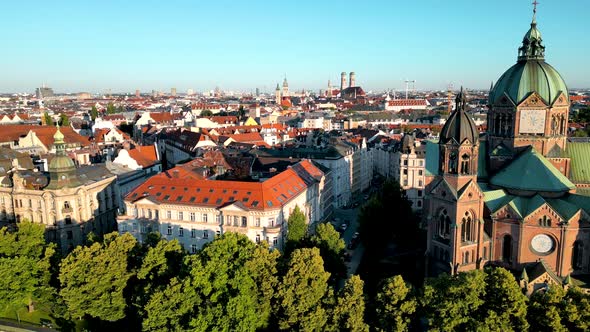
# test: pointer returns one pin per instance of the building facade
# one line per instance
(195, 211)
(508, 198)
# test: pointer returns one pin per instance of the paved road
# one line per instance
(350, 217)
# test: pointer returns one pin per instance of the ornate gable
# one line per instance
(534, 100)
(560, 100)
(470, 191)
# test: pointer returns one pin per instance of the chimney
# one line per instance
(175, 174)
(352, 81)
(342, 81)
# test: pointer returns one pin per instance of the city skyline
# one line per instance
(126, 47)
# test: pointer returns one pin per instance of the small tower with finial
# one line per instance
(278, 95)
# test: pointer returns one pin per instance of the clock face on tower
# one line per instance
(532, 122)
(542, 244)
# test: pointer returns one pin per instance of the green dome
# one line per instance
(530, 74)
(526, 77)
(61, 163)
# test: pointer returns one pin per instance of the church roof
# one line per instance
(579, 153)
(532, 172)
(566, 207)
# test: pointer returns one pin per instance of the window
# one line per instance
(244, 222)
(271, 222)
(205, 217)
(180, 232)
(30, 203)
(405, 162)
(419, 203)
(236, 220)
(507, 248)
(66, 205)
(444, 224)
(466, 257)
(485, 253)
(257, 222)
(467, 228)
(68, 220)
(228, 220)
(578, 255)
(405, 172)
(205, 234)
(193, 248)
(545, 222)
(150, 214)
(257, 238)
(419, 172)
(193, 216)
(143, 229)
(465, 164)
(275, 241)
(180, 215)
(218, 218)
(193, 233)
(419, 193)
(168, 214)
(169, 231)
(70, 235)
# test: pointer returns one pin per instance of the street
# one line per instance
(349, 217)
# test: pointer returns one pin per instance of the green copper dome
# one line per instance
(530, 74)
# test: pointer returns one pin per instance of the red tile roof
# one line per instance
(10, 133)
(144, 155)
(224, 119)
(181, 188)
(407, 102)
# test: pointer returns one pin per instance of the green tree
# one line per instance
(331, 246)
(505, 306)
(47, 119)
(301, 291)
(93, 279)
(206, 113)
(576, 310)
(25, 268)
(395, 305)
(296, 226)
(121, 108)
(229, 287)
(450, 302)
(544, 310)
(349, 309)
(94, 113)
(111, 108)
(161, 263)
(64, 120)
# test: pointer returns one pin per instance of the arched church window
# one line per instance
(507, 248)
(453, 162)
(444, 224)
(465, 164)
(509, 125)
(66, 205)
(562, 125)
(577, 255)
(467, 228)
(545, 222)
(553, 125)
(497, 124)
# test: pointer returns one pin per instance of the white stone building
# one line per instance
(194, 211)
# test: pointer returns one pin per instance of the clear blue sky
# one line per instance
(95, 45)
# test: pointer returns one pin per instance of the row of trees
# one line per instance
(235, 284)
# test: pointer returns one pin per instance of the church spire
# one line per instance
(532, 44)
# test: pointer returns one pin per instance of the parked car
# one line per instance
(343, 227)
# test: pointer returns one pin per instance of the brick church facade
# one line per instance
(515, 196)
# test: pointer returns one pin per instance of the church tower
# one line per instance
(62, 170)
(278, 95)
(285, 88)
(454, 200)
(528, 105)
